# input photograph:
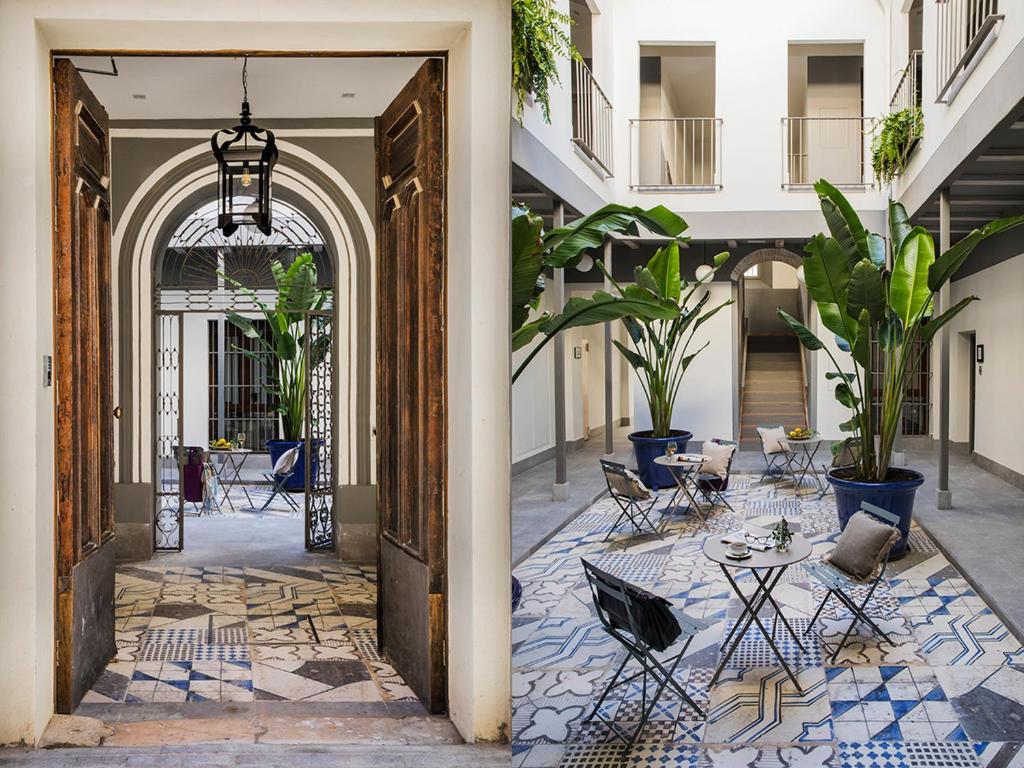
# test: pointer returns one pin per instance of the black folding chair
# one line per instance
(278, 481)
(643, 623)
(841, 584)
(635, 501)
(713, 487)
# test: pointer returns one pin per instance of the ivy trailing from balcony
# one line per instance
(896, 136)
(539, 38)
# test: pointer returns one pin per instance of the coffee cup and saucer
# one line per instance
(737, 550)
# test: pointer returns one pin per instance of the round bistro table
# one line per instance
(684, 468)
(767, 569)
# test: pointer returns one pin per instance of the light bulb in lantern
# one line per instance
(704, 271)
(246, 177)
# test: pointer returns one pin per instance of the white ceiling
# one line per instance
(181, 87)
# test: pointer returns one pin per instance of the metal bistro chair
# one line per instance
(713, 487)
(643, 623)
(635, 501)
(279, 477)
(778, 463)
(840, 583)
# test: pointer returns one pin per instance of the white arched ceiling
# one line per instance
(141, 248)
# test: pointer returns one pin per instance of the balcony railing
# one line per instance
(591, 117)
(676, 153)
(833, 148)
(908, 90)
(963, 31)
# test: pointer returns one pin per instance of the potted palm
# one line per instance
(864, 300)
(286, 351)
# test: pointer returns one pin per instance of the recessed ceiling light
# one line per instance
(348, 95)
(139, 96)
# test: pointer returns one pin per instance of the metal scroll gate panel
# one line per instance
(168, 428)
(319, 444)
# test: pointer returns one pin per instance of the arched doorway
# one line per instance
(217, 403)
(771, 386)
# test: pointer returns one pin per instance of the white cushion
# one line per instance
(773, 440)
(718, 455)
(639, 483)
(286, 461)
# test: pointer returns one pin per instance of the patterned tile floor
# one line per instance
(283, 633)
(948, 693)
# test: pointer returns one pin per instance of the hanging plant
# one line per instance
(539, 38)
(892, 144)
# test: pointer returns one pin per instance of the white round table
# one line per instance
(684, 469)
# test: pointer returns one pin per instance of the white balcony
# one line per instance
(908, 90)
(964, 31)
(591, 118)
(833, 148)
(681, 154)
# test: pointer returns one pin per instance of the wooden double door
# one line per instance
(411, 385)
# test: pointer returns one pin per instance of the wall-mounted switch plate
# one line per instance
(47, 370)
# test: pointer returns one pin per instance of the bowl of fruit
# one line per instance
(220, 444)
(799, 433)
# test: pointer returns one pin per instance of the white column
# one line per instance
(945, 495)
(560, 489)
(609, 367)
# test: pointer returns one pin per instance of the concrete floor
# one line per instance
(265, 756)
(255, 542)
(535, 517)
(983, 533)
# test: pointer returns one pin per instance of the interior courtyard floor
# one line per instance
(947, 692)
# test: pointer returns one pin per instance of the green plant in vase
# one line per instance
(782, 535)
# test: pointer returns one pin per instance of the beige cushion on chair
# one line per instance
(773, 440)
(629, 486)
(862, 546)
(718, 456)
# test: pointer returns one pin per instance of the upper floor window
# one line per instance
(675, 141)
(826, 134)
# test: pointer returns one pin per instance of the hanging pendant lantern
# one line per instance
(245, 159)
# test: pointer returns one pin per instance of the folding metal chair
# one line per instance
(713, 487)
(778, 463)
(841, 584)
(635, 501)
(626, 613)
(280, 476)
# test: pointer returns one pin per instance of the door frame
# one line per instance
(55, 53)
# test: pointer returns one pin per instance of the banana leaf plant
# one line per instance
(660, 342)
(285, 350)
(534, 250)
(863, 300)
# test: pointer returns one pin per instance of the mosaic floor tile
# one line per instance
(988, 700)
(998, 754)
(314, 680)
(891, 703)
(754, 650)
(874, 754)
(818, 756)
(762, 704)
(971, 638)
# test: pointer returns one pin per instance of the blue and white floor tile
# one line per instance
(947, 693)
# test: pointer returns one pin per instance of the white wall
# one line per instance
(997, 320)
(195, 360)
(477, 35)
(533, 397)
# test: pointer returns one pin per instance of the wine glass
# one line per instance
(670, 450)
(240, 439)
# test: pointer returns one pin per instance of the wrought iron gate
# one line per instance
(168, 428)
(319, 508)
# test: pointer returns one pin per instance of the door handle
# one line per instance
(117, 412)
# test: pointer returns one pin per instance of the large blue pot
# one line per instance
(297, 482)
(896, 496)
(648, 448)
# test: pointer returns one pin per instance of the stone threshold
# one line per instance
(159, 725)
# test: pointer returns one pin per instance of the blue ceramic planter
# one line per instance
(648, 448)
(896, 497)
(297, 482)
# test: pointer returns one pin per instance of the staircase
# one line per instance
(774, 388)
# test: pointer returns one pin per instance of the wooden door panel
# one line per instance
(411, 376)
(84, 388)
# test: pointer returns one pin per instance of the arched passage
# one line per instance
(158, 205)
(770, 383)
